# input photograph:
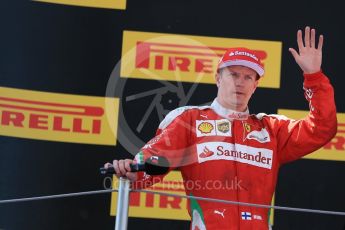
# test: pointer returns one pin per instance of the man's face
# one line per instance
(236, 84)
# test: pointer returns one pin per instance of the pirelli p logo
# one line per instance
(333, 150)
(58, 117)
(185, 58)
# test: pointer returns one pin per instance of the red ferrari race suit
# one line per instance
(235, 156)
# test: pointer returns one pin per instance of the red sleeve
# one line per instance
(172, 141)
(297, 138)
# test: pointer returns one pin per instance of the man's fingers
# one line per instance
(294, 53)
(116, 167)
(319, 46)
(299, 40)
(107, 165)
(127, 165)
(307, 36)
(312, 38)
(122, 167)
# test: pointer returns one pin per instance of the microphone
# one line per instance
(155, 165)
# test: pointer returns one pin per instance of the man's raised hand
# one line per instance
(309, 57)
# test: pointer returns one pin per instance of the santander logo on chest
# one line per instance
(260, 157)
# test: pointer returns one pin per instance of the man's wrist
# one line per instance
(313, 75)
(312, 72)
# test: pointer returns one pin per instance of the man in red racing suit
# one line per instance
(232, 155)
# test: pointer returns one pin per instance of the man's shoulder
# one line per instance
(172, 115)
(263, 116)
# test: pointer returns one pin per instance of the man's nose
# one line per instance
(239, 81)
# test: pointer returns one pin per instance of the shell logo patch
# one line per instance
(205, 127)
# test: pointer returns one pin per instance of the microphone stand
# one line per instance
(122, 204)
(153, 166)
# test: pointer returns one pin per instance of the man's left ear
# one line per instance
(217, 77)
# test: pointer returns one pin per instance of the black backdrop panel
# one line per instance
(69, 49)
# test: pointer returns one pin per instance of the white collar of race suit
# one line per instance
(228, 113)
